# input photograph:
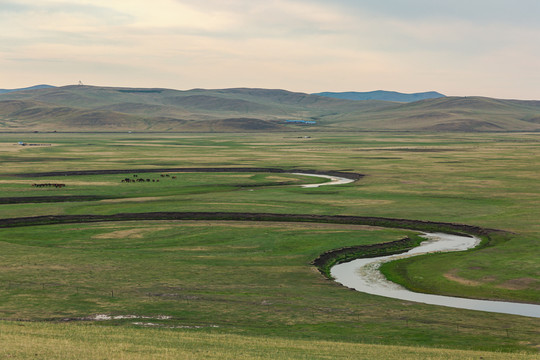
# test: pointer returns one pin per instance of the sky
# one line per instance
(457, 47)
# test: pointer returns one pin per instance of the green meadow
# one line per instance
(170, 288)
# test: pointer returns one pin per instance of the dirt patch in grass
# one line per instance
(195, 248)
(280, 178)
(453, 276)
(13, 147)
(17, 182)
(240, 176)
(246, 204)
(130, 233)
(354, 202)
(280, 226)
(136, 199)
(520, 284)
(5, 147)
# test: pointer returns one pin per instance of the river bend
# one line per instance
(364, 275)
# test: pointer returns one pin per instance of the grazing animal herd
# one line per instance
(128, 180)
(135, 178)
(58, 186)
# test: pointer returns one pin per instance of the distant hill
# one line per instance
(465, 114)
(3, 91)
(94, 109)
(382, 95)
(90, 108)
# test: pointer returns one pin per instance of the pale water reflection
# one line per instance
(334, 180)
(364, 275)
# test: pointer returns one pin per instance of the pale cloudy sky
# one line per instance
(457, 47)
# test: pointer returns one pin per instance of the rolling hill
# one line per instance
(3, 91)
(382, 95)
(89, 108)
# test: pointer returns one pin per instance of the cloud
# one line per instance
(478, 11)
(296, 44)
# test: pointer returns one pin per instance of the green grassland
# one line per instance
(253, 282)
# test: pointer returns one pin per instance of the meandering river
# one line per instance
(364, 275)
(334, 180)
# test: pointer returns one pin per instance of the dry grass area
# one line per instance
(280, 226)
(453, 276)
(354, 202)
(82, 341)
(520, 284)
(279, 178)
(137, 233)
(135, 199)
(242, 204)
(10, 147)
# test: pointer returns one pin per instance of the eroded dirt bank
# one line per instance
(244, 216)
(339, 173)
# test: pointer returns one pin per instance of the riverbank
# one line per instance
(327, 260)
(490, 237)
(364, 275)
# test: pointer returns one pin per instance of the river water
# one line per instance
(334, 180)
(364, 275)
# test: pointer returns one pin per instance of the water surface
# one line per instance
(364, 275)
(334, 180)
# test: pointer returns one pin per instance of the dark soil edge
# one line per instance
(453, 228)
(50, 199)
(44, 199)
(323, 262)
(346, 174)
(328, 259)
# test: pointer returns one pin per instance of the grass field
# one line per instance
(253, 282)
(75, 341)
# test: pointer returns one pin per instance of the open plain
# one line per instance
(218, 288)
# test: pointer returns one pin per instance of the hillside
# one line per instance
(454, 114)
(382, 95)
(88, 108)
(3, 91)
